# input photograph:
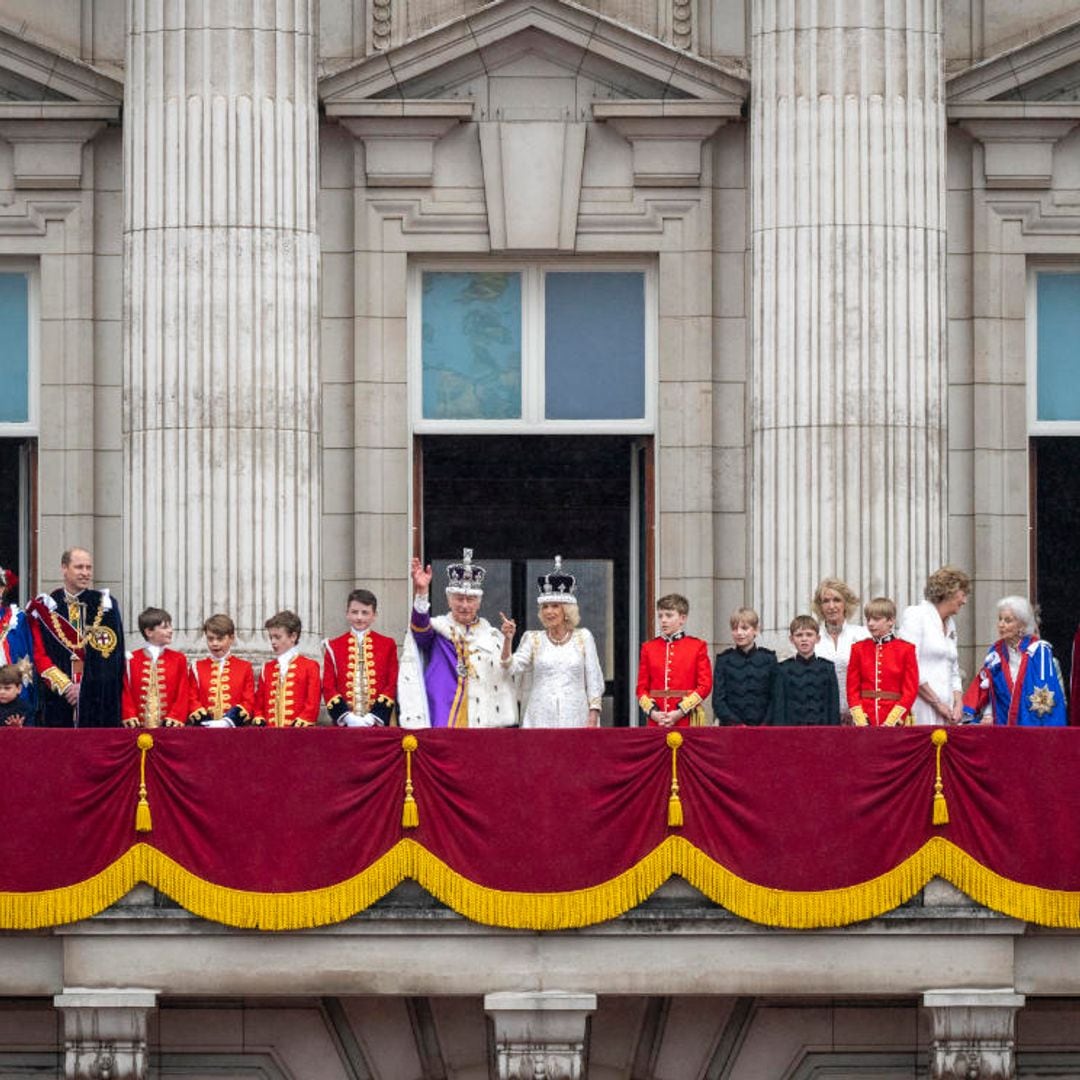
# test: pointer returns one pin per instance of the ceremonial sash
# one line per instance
(59, 628)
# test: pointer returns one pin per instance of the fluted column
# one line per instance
(221, 374)
(849, 379)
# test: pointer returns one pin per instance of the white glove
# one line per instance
(217, 723)
(352, 720)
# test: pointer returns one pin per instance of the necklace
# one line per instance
(560, 641)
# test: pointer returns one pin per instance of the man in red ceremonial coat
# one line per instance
(78, 648)
(883, 673)
(222, 685)
(674, 672)
(156, 683)
(288, 693)
(360, 668)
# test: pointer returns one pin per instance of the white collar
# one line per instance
(286, 657)
(154, 651)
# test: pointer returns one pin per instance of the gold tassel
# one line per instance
(941, 809)
(674, 805)
(142, 811)
(410, 814)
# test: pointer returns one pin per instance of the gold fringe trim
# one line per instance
(542, 911)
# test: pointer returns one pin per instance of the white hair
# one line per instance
(1021, 609)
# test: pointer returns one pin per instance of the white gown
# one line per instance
(566, 679)
(939, 662)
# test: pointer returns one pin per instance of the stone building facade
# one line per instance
(234, 238)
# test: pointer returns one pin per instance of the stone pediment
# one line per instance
(33, 72)
(50, 106)
(1021, 104)
(520, 41)
(1043, 71)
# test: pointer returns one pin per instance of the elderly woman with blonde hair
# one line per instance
(931, 628)
(567, 680)
(834, 603)
(1019, 683)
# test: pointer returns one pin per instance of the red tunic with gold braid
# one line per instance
(156, 693)
(223, 690)
(674, 673)
(359, 676)
(882, 681)
(292, 701)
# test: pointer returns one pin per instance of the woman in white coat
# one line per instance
(567, 682)
(931, 628)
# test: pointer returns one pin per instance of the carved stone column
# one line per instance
(221, 373)
(105, 1033)
(973, 1034)
(541, 1035)
(849, 379)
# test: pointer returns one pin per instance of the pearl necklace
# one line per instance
(560, 641)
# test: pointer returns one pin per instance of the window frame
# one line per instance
(1035, 426)
(30, 427)
(533, 359)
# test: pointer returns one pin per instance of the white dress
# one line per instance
(566, 679)
(840, 653)
(939, 662)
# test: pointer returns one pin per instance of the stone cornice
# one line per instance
(386, 108)
(1013, 110)
(58, 110)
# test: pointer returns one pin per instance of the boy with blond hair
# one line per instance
(744, 677)
(883, 673)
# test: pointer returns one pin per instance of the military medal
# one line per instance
(1042, 701)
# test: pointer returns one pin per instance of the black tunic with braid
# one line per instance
(806, 692)
(743, 686)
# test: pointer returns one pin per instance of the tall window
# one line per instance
(18, 402)
(541, 347)
(1054, 351)
(18, 418)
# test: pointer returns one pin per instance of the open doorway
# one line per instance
(1055, 584)
(18, 549)
(518, 501)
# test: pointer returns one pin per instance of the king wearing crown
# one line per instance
(464, 684)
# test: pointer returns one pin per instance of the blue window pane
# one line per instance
(1058, 299)
(471, 346)
(14, 350)
(594, 346)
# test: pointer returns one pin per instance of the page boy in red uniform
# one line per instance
(288, 693)
(156, 690)
(674, 672)
(883, 673)
(360, 668)
(222, 685)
